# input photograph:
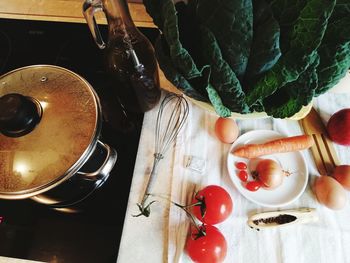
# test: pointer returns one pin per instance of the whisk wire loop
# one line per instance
(168, 126)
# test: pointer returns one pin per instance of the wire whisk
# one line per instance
(172, 115)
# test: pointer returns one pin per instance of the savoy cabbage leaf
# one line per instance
(335, 48)
(222, 77)
(253, 55)
(170, 72)
(289, 99)
(231, 22)
(265, 49)
(306, 37)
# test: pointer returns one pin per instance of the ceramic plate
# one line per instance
(293, 185)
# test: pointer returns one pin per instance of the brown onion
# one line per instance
(270, 173)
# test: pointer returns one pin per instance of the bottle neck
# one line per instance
(117, 12)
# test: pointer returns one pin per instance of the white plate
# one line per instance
(293, 185)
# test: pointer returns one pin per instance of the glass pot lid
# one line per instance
(49, 123)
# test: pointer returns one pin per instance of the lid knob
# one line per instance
(18, 114)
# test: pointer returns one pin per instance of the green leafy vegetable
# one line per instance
(341, 10)
(294, 95)
(175, 77)
(253, 55)
(223, 79)
(155, 9)
(181, 59)
(217, 103)
(180, 68)
(265, 49)
(287, 69)
(335, 64)
(286, 12)
(335, 49)
(305, 39)
(231, 22)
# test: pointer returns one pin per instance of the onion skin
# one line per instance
(342, 175)
(270, 173)
(330, 193)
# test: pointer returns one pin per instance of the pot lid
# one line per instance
(49, 123)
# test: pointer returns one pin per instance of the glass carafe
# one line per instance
(129, 54)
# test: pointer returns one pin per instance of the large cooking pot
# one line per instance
(50, 123)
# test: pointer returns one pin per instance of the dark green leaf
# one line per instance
(306, 38)
(216, 101)
(180, 57)
(335, 64)
(289, 100)
(154, 9)
(175, 77)
(265, 50)
(311, 25)
(214, 97)
(189, 32)
(341, 10)
(286, 12)
(335, 49)
(231, 22)
(197, 88)
(222, 78)
(287, 69)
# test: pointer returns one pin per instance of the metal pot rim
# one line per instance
(83, 158)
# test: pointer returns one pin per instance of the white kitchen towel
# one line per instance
(162, 236)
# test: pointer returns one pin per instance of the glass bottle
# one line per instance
(130, 56)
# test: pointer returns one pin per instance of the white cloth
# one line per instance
(161, 237)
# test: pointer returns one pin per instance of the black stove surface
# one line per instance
(32, 231)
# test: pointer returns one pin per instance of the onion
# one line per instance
(270, 173)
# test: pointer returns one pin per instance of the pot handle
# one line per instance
(105, 168)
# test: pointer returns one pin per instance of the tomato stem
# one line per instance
(145, 211)
(190, 215)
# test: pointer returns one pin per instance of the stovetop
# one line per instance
(32, 231)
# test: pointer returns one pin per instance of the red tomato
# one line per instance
(243, 175)
(215, 205)
(209, 248)
(253, 186)
(241, 165)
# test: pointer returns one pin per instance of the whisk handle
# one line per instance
(153, 175)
